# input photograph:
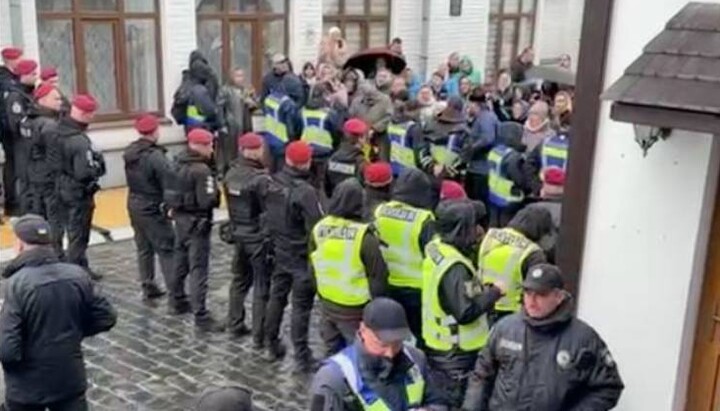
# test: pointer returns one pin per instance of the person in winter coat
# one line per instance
(503, 96)
(483, 124)
(444, 150)
(406, 134)
(282, 78)
(348, 161)
(308, 77)
(506, 254)
(453, 74)
(437, 86)
(347, 266)
(49, 308)
(551, 196)
(521, 64)
(472, 73)
(544, 358)
(378, 179)
(50, 75)
(235, 105)
(430, 105)
(375, 109)
(455, 303)
(562, 111)
(507, 175)
(202, 108)
(538, 126)
(351, 79)
(378, 371)
(9, 79)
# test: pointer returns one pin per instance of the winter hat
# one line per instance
(451, 190)
(298, 152)
(200, 136)
(378, 174)
(43, 90)
(31, 229)
(454, 112)
(146, 124)
(48, 72)
(225, 399)
(85, 102)
(25, 67)
(554, 176)
(355, 127)
(250, 141)
(11, 53)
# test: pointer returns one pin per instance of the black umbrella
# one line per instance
(366, 61)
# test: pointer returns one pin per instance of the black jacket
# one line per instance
(246, 185)
(334, 121)
(197, 184)
(8, 80)
(40, 130)
(330, 392)
(293, 208)
(18, 102)
(348, 161)
(374, 196)
(49, 308)
(439, 133)
(514, 163)
(287, 83)
(554, 364)
(81, 166)
(416, 189)
(146, 171)
(462, 294)
(347, 202)
(534, 223)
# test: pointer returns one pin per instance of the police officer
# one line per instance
(507, 175)
(405, 135)
(550, 153)
(405, 225)
(147, 171)
(506, 254)
(18, 102)
(378, 371)
(9, 79)
(81, 168)
(378, 180)
(245, 188)
(282, 123)
(202, 109)
(444, 149)
(50, 75)
(39, 129)
(348, 161)
(321, 127)
(293, 209)
(544, 358)
(454, 301)
(192, 195)
(347, 266)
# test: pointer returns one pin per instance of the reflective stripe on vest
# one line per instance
(273, 126)
(401, 150)
(501, 257)
(500, 187)
(193, 116)
(554, 153)
(346, 360)
(339, 271)
(314, 131)
(399, 226)
(440, 330)
(448, 153)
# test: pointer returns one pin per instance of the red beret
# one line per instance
(146, 124)
(356, 127)
(200, 136)
(554, 176)
(250, 141)
(11, 53)
(25, 67)
(48, 73)
(378, 174)
(43, 90)
(85, 102)
(298, 152)
(452, 190)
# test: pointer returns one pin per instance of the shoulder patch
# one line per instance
(16, 107)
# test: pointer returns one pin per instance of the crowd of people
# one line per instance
(422, 215)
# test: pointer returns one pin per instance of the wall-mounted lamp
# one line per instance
(646, 136)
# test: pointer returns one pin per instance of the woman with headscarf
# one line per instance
(472, 73)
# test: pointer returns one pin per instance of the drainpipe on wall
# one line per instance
(425, 38)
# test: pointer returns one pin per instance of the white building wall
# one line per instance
(305, 31)
(466, 34)
(406, 23)
(558, 28)
(647, 232)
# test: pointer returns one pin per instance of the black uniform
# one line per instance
(147, 171)
(340, 323)
(293, 208)
(192, 195)
(81, 168)
(8, 81)
(245, 187)
(18, 103)
(553, 364)
(346, 162)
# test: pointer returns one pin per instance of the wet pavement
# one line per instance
(154, 361)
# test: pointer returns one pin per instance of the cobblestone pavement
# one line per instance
(154, 361)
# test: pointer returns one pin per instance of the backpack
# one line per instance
(181, 100)
(277, 204)
(178, 193)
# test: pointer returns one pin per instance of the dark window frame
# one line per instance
(256, 20)
(499, 17)
(79, 17)
(341, 18)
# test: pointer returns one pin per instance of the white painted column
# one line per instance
(178, 27)
(5, 29)
(31, 46)
(305, 31)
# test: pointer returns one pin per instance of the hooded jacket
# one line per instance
(417, 189)
(373, 107)
(534, 223)
(374, 196)
(474, 74)
(287, 83)
(513, 164)
(334, 121)
(346, 162)
(146, 172)
(198, 182)
(203, 94)
(49, 308)
(461, 293)
(80, 165)
(347, 203)
(558, 363)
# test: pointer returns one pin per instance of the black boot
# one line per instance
(179, 308)
(275, 351)
(306, 364)
(208, 324)
(153, 292)
(241, 331)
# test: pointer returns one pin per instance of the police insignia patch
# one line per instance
(16, 108)
(537, 273)
(563, 359)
